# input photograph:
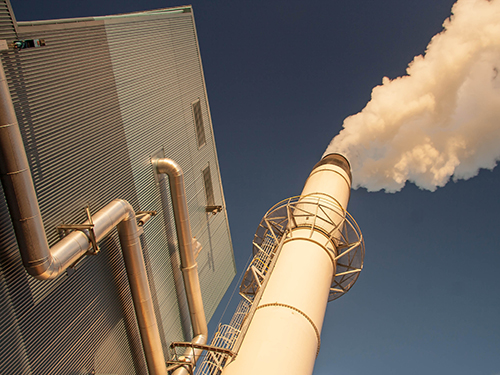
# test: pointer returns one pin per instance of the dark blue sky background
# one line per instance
(281, 77)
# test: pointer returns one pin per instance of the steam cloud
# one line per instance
(440, 120)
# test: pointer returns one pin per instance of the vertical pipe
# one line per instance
(141, 294)
(188, 262)
(175, 261)
(284, 334)
(19, 189)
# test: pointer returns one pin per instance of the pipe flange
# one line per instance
(316, 331)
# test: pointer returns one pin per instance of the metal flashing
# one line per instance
(164, 11)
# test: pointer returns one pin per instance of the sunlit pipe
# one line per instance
(44, 262)
(188, 262)
(283, 336)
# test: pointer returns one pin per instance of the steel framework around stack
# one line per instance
(317, 213)
(343, 239)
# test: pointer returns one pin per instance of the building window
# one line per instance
(198, 122)
(209, 190)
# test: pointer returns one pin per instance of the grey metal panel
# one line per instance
(93, 107)
(62, 118)
(142, 77)
(14, 360)
(170, 78)
(8, 26)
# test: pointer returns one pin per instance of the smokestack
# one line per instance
(316, 262)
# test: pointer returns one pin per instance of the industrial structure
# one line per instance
(115, 247)
(308, 251)
(114, 236)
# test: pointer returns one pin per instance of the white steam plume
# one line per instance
(440, 120)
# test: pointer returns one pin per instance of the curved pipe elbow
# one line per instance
(70, 249)
(59, 257)
(168, 166)
(44, 270)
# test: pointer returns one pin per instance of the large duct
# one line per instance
(283, 336)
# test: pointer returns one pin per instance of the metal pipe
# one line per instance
(142, 220)
(141, 293)
(44, 262)
(188, 261)
(283, 336)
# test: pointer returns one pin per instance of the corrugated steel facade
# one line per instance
(93, 106)
(7, 20)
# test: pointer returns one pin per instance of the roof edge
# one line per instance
(179, 9)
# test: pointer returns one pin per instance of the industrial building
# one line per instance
(97, 103)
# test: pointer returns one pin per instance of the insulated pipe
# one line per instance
(188, 262)
(45, 263)
(141, 293)
(284, 334)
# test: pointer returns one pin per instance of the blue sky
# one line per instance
(281, 77)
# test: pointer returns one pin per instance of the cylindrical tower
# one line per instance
(283, 336)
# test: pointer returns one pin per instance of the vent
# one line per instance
(209, 190)
(198, 121)
(209, 193)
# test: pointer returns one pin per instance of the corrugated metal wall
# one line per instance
(7, 20)
(94, 105)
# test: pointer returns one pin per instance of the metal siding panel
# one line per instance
(14, 360)
(89, 131)
(156, 87)
(7, 21)
(215, 276)
(63, 118)
(147, 94)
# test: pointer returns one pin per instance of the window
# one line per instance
(198, 122)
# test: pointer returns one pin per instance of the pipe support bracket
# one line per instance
(88, 229)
